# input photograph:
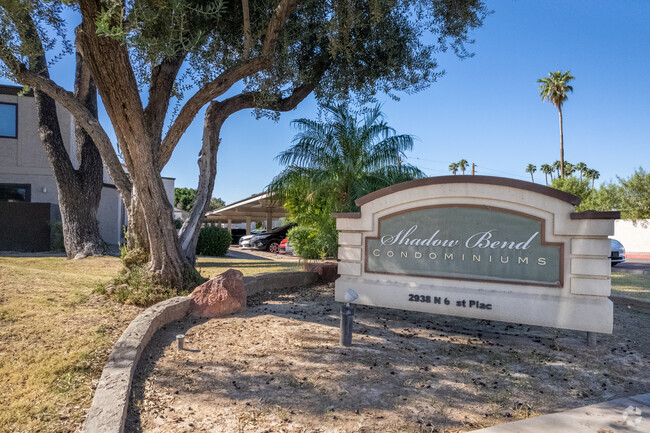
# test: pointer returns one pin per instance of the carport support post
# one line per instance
(248, 225)
(347, 319)
(229, 225)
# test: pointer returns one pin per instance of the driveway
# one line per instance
(635, 266)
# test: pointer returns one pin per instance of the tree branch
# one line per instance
(247, 28)
(225, 81)
(84, 117)
(163, 78)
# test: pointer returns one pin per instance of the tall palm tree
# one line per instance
(554, 89)
(531, 169)
(547, 169)
(463, 164)
(350, 154)
(582, 168)
(453, 167)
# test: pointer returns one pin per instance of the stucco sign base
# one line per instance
(479, 247)
(593, 314)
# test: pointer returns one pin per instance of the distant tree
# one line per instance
(184, 198)
(453, 167)
(569, 169)
(216, 203)
(574, 186)
(635, 200)
(462, 165)
(592, 175)
(531, 169)
(582, 168)
(556, 167)
(554, 89)
(547, 170)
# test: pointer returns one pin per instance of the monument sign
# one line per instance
(482, 247)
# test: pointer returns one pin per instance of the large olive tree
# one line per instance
(270, 55)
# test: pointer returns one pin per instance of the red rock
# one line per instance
(327, 271)
(223, 294)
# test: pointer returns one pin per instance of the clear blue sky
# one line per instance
(486, 109)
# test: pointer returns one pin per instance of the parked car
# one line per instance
(269, 241)
(245, 241)
(618, 252)
(285, 247)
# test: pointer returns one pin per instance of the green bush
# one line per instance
(213, 241)
(312, 243)
(57, 238)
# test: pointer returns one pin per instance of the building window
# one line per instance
(15, 192)
(8, 120)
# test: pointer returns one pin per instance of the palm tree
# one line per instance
(568, 168)
(453, 167)
(350, 154)
(556, 167)
(531, 169)
(547, 169)
(463, 164)
(582, 168)
(593, 175)
(554, 89)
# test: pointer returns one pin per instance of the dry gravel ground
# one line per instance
(278, 368)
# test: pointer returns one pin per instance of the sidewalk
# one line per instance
(630, 414)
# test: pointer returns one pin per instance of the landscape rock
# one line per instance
(222, 295)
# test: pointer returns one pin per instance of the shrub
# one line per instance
(57, 238)
(135, 287)
(213, 241)
(312, 242)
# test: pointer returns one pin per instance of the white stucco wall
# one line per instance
(23, 159)
(635, 238)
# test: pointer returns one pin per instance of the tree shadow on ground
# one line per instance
(398, 357)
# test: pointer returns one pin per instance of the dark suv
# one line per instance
(270, 240)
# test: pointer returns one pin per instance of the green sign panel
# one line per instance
(465, 242)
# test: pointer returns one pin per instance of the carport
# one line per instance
(257, 208)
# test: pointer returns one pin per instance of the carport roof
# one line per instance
(257, 207)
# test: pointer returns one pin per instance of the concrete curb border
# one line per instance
(108, 411)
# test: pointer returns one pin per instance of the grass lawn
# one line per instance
(55, 334)
(212, 266)
(631, 286)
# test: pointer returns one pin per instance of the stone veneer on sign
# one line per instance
(573, 296)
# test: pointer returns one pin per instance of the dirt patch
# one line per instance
(278, 368)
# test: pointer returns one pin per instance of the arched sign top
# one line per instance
(469, 179)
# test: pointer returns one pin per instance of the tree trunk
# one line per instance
(561, 144)
(137, 236)
(189, 233)
(79, 191)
